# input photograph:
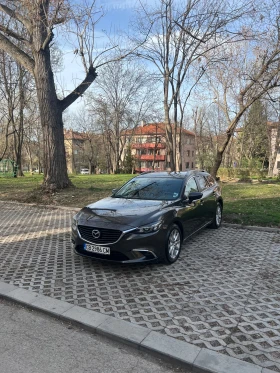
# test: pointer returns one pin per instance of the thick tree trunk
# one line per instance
(55, 169)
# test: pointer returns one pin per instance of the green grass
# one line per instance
(252, 204)
(244, 203)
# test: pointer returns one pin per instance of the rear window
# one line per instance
(151, 189)
(203, 183)
(211, 180)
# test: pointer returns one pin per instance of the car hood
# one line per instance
(120, 213)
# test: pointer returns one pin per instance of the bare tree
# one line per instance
(16, 89)
(182, 36)
(39, 18)
(250, 73)
(127, 95)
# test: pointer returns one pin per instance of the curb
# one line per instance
(77, 209)
(196, 359)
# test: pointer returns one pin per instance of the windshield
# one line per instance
(154, 189)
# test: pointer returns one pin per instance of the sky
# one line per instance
(117, 16)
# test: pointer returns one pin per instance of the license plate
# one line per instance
(98, 249)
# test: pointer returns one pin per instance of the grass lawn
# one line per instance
(252, 204)
(244, 203)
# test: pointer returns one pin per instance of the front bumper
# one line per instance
(131, 248)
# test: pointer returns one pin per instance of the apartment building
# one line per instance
(149, 149)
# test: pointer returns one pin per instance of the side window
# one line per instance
(203, 183)
(210, 180)
(191, 186)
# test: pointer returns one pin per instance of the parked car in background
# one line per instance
(149, 217)
(84, 171)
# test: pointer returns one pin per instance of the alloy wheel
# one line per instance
(218, 215)
(174, 243)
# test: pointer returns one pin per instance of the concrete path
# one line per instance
(222, 295)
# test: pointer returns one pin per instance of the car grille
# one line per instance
(106, 235)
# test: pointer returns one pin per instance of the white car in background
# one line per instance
(84, 171)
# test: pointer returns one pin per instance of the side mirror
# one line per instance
(194, 196)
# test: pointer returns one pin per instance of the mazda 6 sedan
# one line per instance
(149, 217)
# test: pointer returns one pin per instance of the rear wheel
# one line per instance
(217, 220)
(173, 244)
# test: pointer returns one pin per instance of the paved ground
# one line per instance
(223, 293)
(46, 345)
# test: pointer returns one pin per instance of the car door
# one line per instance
(208, 203)
(190, 212)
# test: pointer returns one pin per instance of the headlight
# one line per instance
(149, 228)
(74, 223)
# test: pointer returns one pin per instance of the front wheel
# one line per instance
(217, 220)
(173, 244)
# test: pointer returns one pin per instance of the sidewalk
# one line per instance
(221, 297)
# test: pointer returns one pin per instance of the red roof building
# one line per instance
(149, 148)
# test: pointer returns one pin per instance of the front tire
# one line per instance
(173, 244)
(217, 220)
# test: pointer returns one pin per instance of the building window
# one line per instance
(187, 164)
(278, 150)
(192, 165)
(188, 153)
(193, 153)
(278, 165)
(75, 151)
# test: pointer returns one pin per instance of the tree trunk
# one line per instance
(20, 132)
(55, 169)
(274, 140)
(221, 149)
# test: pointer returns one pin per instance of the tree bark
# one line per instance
(55, 169)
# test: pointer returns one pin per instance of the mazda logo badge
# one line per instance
(95, 233)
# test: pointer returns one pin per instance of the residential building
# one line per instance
(74, 147)
(149, 148)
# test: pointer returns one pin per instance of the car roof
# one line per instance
(173, 174)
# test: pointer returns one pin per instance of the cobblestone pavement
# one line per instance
(222, 294)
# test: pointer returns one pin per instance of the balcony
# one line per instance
(148, 145)
(150, 157)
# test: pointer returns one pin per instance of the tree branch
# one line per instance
(16, 15)
(73, 96)
(48, 40)
(11, 33)
(20, 56)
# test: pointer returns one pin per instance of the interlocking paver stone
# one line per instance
(222, 294)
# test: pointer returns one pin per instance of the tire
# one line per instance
(217, 220)
(173, 244)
